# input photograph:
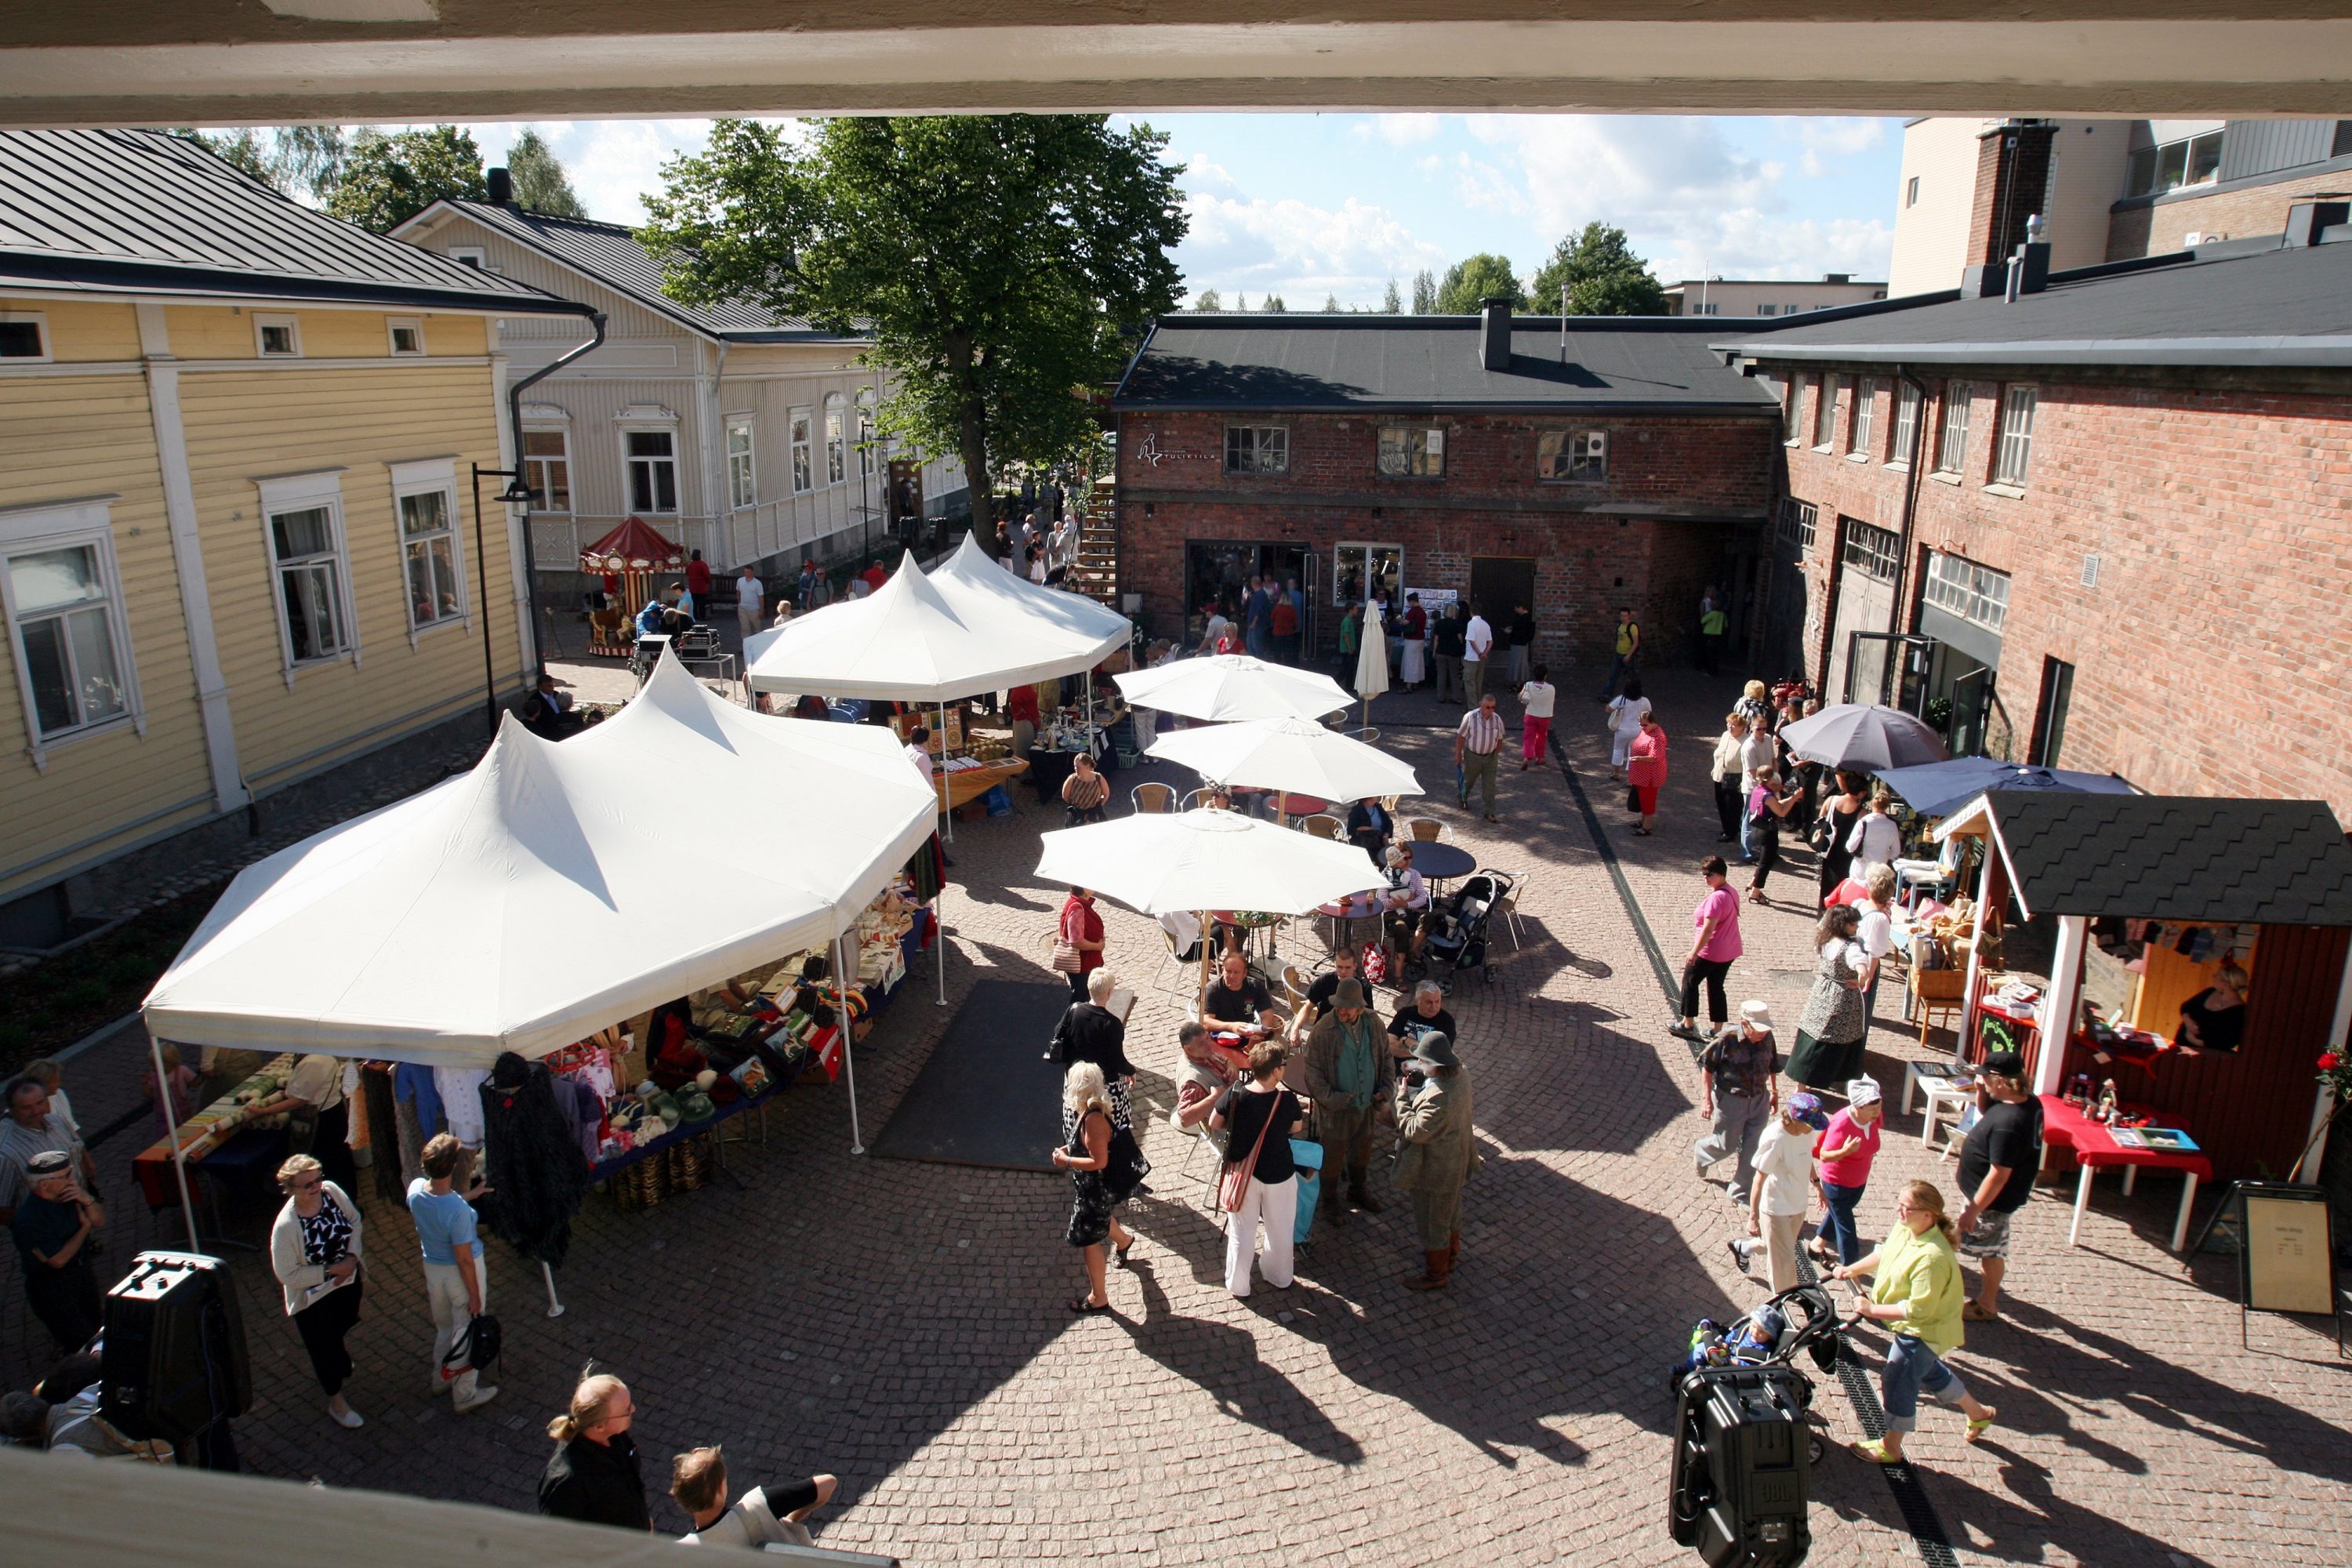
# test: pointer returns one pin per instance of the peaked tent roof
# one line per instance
(146, 212)
(978, 588)
(535, 898)
(634, 547)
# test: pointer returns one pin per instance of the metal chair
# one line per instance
(1199, 1135)
(1368, 735)
(1508, 906)
(1322, 824)
(1198, 798)
(1155, 798)
(1429, 830)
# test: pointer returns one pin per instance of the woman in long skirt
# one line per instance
(1832, 1031)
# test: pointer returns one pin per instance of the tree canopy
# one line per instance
(1477, 277)
(1392, 302)
(1424, 293)
(540, 185)
(1603, 276)
(384, 180)
(308, 158)
(1273, 302)
(1207, 300)
(997, 262)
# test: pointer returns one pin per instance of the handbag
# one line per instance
(1373, 961)
(476, 1348)
(1232, 1188)
(1127, 1166)
(1634, 797)
(1067, 957)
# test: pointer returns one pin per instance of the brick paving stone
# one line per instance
(901, 1324)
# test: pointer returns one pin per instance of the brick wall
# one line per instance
(1680, 492)
(2153, 228)
(2212, 655)
(2012, 175)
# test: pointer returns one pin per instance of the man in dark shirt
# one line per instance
(593, 1477)
(1999, 1161)
(1425, 1015)
(1519, 635)
(1239, 1003)
(1445, 648)
(1344, 964)
(52, 1227)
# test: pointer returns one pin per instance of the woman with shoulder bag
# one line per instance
(1768, 807)
(1260, 1185)
(1833, 1031)
(1078, 942)
(314, 1250)
(1085, 1153)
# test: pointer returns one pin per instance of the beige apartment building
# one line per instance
(1766, 297)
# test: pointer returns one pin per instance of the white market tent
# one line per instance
(986, 594)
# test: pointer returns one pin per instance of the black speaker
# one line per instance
(174, 1359)
(1742, 1467)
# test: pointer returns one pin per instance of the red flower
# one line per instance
(2330, 1062)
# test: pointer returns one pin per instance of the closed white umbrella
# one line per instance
(1229, 687)
(1287, 754)
(1372, 660)
(1866, 737)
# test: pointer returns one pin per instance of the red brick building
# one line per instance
(2106, 524)
(1620, 463)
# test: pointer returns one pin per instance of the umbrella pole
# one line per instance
(172, 1125)
(841, 1022)
(1208, 938)
(944, 811)
(940, 941)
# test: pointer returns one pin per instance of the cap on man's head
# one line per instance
(1756, 1013)
(1806, 1107)
(1347, 993)
(49, 1163)
(2006, 1064)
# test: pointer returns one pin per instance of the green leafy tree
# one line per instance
(997, 262)
(1241, 301)
(290, 158)
(388, 179)
(1208, 300)
(1272, 302)
(1602, 276)
(1424, 293)
(1392, 302)
(540, 185)
(1480, 277)
(1330, 304)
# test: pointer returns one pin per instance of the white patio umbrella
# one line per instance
(1863, 736)
(1372, 659)
(1287, 754)
(1230, 686)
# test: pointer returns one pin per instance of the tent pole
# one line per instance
(554, 1307)
(841, 1022)
(940, 941)
(944, 811)
(172, 1125)
(1208, 936)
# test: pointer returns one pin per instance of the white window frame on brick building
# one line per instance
(425, 506)
(742, 476)
(1825, 404)
(802, 427)
(2014, 455)
(1906, 425)
(1792, 407)
(1257, 448)
(98, 682)
(1977, 594)
(1799, 522)
(313, 574)
(1873, 551)
(1572, 456)
(1360, 566)
(1411, 452)
(1865, 414)
(1952, 438)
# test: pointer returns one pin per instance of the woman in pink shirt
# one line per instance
(1715, 943)
(1645, 769)
(1846, 1148)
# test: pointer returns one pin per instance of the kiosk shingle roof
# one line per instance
(2176, 858)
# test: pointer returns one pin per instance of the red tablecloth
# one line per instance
(2065, 1126)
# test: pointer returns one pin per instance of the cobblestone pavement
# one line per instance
(902, 1324)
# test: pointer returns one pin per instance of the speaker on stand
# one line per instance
(174, 1366)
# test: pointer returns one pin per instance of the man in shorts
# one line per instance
(1999, 1161)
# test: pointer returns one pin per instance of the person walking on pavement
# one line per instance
(1999, 1161)
(1258, 1116)
(1085, 1152)
(1081, 927)
(52, 1226)
(1477, 752)
(314, 1250)
(1645, 771)
(1916, 1292)
(772, 1513)
(1832, 1031)
(1713, 620)
(1629, 651)
(592, 1476)
(1257, 621)
(1343, 1080)
(1757, 758)
(1477, 655)
(1536, 699)
(1519, 636)
(1738, 1092)
(1848, 1146)
(751, 597)
(1843, 809)
(1445, 641)
(1724, 773)
(1625, 710)
(456, 1284)
(1778, 1206)
(1768, 806)
(1437, 1154)
(1715, 943)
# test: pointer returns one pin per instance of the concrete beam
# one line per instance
(229, 61)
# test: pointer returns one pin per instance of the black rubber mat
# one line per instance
(987, 1097)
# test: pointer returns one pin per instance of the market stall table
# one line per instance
(957, 786)
(2094, 1146)
(1049, 769)
(207, 1135)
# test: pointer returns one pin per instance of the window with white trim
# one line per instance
(1359, 570)
(803, 463)
(472, 255)
(25, 336)
(1257, 448)
(836, 438)
(1871, 550)
(1978, 595)
(1952, 446)
(407, 336)
(653, 469)
(2016, 436)
(1413, 451)
(1906, 422)
(547, 468)
(303, 521)
(67, 626)
(424, 496)
(742, 481)
(1798, 518)
(1825, 402)
(277, 337)
(1865, 411)
(1578, 456)
(864, 432)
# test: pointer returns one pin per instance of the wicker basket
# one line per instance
(689, 1164)
(645, 1183)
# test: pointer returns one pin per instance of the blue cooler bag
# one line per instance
(998, 802)
(1308, 1158)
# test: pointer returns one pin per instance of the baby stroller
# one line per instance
(1458, 924)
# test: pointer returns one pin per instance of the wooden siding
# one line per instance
(85, 331)
(210, 333)
(72, 437)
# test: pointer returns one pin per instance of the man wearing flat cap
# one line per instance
(52, 1227)
(1344, 1063)
(1432, 1105)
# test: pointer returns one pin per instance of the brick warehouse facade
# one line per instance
(1670, 497)
(2130, 567)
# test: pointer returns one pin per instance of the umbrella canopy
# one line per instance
(1232, 686)
(1866, 737)
(1936, 789)
(1163, 862)
(986, 594)
(906, 642)
(632, 547)
(1289, 754)
(1372, 658)
(540, 896)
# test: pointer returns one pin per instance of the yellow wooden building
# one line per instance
(238, 540)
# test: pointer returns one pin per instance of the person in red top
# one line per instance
(875, 576)
(1021, 712)
(1081, 928)
(1645, 769)
(1285, 629)
(697, 579)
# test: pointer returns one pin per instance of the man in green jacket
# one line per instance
(1433, 1103)
(1345, 1058)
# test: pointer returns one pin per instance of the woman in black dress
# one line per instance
(1085, 1152)
(2215, 1019)
(1843, 809)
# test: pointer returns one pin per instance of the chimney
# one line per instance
(2306, 221)
(1495, 333)
(2014, 163)
(502, 186)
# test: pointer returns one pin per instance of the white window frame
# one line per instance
(306, 493)
(800, 429)
(837, 440)
(40, 324)
(1800, 524)
(629, 461)
(1424, 448)
(865, 405)
(1792, 408)
(534, 465)
(473, 255)
(1571, 451)
(77, 525)
(264, 321)
(1866, 417)
(429, 476)
(1364, 551)
(1977, 594)
(2013, 455)
(393, 326)
(1952, 435)
(1825, 405)
(742, 466)
(1257, 450)
(1911, 192)
(1907, 404)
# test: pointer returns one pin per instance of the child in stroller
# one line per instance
(1458, 924)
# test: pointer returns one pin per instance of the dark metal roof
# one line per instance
(1366, 362)
(2176, 857)
(612, 255)
(142, 211)
(2216, 305)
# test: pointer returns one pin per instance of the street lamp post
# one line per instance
(516, 493)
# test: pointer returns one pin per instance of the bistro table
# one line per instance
(1343, 914)
(1439, 862)
(1284, 805)
(2063, 1126)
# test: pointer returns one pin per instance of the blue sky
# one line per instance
(1310, 206)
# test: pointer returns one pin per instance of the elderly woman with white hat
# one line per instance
(1848, 1145)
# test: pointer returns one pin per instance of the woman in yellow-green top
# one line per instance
(1916, 1292)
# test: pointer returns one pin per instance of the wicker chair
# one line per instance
(1158, 799)
(1429, 830)
(1322, 824)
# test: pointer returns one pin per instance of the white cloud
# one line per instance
(1206, 174)
(1844, 137)
(1248, 245)
(1400, 130)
